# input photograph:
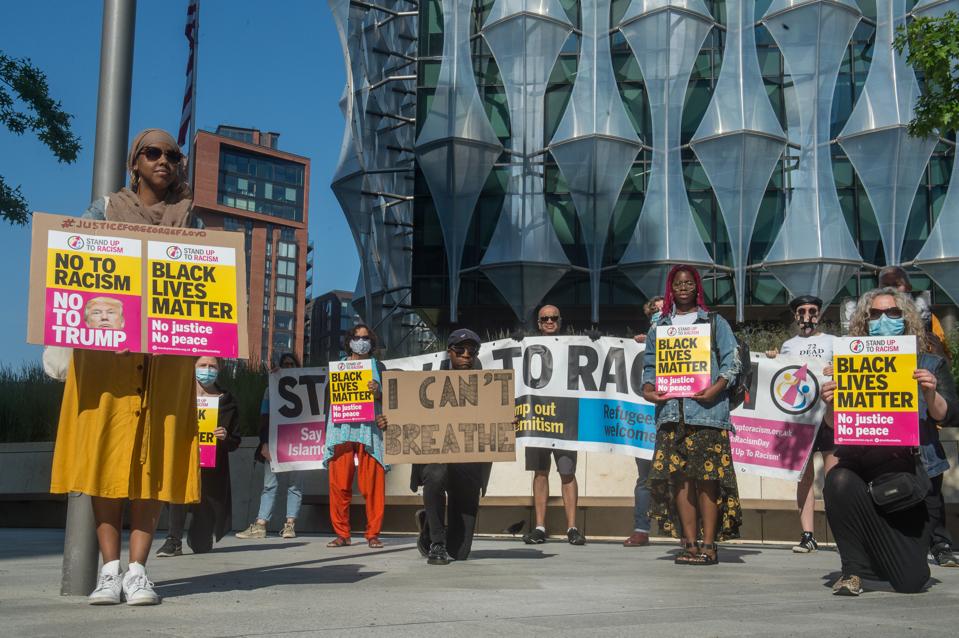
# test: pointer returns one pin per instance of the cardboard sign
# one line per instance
(297, 424)
(877, 399)
(777, 424)
(350, 398)
(105, 285)
(449, 416)
(207, 413)
(682, 360)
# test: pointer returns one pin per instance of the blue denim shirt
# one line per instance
(715, 414)
(930, 449)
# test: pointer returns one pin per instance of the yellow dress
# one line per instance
(128, 428)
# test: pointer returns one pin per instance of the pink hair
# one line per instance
(668, 295)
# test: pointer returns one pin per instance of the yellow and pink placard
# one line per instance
(877, 399)
(207, 411)
(350, 398)
(102, 285)
(682, 360)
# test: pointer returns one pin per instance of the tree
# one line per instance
(26, 105)
(933, 45)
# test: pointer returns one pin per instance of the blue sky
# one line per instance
(274, 66)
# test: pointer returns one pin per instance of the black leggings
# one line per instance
(872, 544)
(451, 495)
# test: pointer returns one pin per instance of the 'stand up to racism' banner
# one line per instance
(777, 424)
(682, 360)
(572, 393)
(102, 285)
(192, 299)
(449, 416)
(877, 399)
(350, 398)
(297, 423)
(207, 410)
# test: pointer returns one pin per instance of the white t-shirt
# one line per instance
(817, 347)
(687, 319)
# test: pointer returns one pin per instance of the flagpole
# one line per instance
(191, 169)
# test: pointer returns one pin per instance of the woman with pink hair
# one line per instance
(692, 480)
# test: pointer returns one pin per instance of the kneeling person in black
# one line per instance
(451, 491)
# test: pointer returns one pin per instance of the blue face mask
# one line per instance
(206, 376)
(656, 316)
(886, 327)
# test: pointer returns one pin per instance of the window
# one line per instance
(286, 249)
(286, 286)
(284, 303)
(259, 183)
(286, 267)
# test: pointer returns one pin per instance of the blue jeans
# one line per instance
(294, 493)
(641, 492)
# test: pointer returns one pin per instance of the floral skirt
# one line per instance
(691, 452)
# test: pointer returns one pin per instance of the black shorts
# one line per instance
(537, 460)
(825, 441)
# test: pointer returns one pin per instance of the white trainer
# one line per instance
(108, 587)
(137, 588)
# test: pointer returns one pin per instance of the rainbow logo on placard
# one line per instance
(856, 346)
(174, 252)
(794, 389)
(75, 242)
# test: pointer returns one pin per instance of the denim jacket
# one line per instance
(715, 414)
(930, 449)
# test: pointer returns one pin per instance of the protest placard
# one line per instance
(350, 398)
(103, 285)
(192, 300)
(572, 393)
(682, 360)
(449, 416)
(207, 410)
(776, 426)
(297, 424)
(877, 399)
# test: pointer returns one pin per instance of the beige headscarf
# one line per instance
(175, 210)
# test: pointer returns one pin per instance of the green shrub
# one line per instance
(29, 404)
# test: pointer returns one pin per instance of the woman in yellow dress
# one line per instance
(128, 428)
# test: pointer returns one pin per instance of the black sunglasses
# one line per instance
(892, 313)
(549, 318)
(461, 350)
(153, 153)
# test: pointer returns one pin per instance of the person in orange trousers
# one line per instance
(352, 448)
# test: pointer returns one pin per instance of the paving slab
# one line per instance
(299, 587)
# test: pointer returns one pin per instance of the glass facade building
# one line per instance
(571, 151)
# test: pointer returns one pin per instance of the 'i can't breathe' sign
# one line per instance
(877, 399)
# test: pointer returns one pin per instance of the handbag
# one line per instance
(897, 491)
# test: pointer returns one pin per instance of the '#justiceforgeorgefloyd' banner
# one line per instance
(777, 424)
(572, 393)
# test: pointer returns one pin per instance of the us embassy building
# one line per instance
(500, 154)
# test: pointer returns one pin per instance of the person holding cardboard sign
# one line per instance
(692, 478)
(356, 449)
(128, 423)
(878, 538)
(451, 491)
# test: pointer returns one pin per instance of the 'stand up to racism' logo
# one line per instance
(341, 366)
(174, 252)
(75, 242)
(856, 346)
(670, 331)
(794, 389)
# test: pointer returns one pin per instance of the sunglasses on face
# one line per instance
(461, 350)
(892, 313)
(153, 153)
(684, 285)
(356, 338)
(811, 312)
(549, 319)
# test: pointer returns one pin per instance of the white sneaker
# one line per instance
(137, 588)
(108, 587)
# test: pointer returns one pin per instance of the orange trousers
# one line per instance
(371, 479)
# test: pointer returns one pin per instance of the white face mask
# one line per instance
(361, 346)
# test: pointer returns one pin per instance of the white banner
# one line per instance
(297, 421)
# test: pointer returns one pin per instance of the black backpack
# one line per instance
(739, 389)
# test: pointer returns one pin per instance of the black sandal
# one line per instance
(689, 556)
(706, 559)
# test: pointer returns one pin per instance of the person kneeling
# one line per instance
(451, 491)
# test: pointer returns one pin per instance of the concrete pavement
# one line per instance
(299, 587)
